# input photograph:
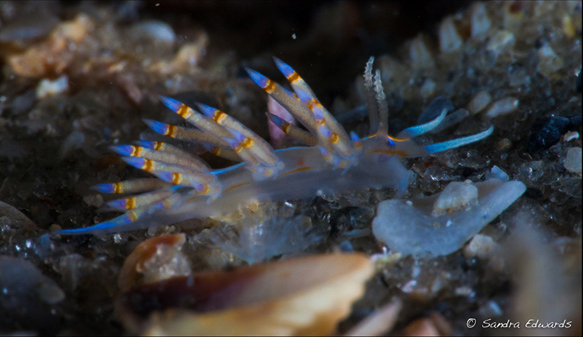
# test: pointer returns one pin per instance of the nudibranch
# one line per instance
(331, 161)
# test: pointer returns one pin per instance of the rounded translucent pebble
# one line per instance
(455, 197)
(412, 230)
(569, 136)
(428, 88)
(481, 246)
(502, 107)
(497, 173)
(480, 20)
(153, 29)
(479, 102)
(419, 54)
(548, 61)
(573, 160)
(449, 38)
(500, 41)
(47, 88)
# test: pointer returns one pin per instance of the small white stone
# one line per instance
(428, 89)
(500, 41)
(479, 102)
(573, 160)
(569, 136)
(449, 38)
(419, 54)
(497, 173)
(95, 200)
(480, 21)
(481, 246)
(502, 107)
(548, 61)
(456, 196)
(47, 88)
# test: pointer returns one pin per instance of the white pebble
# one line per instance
(573, 160)
(569, 136)
(95, 200)
(480, 21)
(497, 173)
(419, 54)
(548, 61)
(479, 102)
(502, 107)
(500, 41)
(153, 29)
(428, 89)
(449, 38)
(455, 197)
(481, 246)
(47, 88)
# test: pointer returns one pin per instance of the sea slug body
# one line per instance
(332, 161)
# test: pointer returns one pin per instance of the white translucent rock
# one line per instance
(548, 61)
(481, 246)
(569, 136)
(502, 107)
(497, 173)
(449, 38)
(479, 102)
(419, 54)
(573, 160)
(47, 88)
(480, 20)
(455, 197)
(412, 230)
(153, 29)
(500, 41)
(428, 88)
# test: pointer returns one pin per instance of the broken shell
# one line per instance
(153, 260)
(300, 296)
(410, 229)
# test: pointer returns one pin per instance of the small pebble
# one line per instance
(449, 38)
(152, 30)
(548, 61)
(456, 196)
(481, 246)
(500, 41)
(55, 227)
(480, 21)
(479, 102)
(95, 200)
(419, 54)
(502, 107)
(569, 136)
(428, 89)
(568, 27)
(504, 144)
(497, 173)
(47, 88)
(573, 160)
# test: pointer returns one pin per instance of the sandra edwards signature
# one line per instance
(508, 324)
